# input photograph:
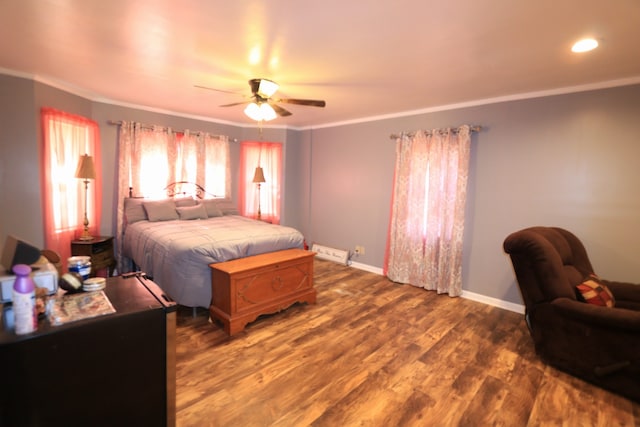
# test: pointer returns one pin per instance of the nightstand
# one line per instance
(100, 249)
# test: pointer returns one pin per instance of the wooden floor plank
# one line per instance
(377, 353)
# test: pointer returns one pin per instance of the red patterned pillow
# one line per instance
(593, 291)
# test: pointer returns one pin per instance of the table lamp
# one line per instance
(86, 171)
(258, 178)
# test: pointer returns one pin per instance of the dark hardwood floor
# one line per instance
(375, 353)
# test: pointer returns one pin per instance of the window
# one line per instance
(268, 156)
(425, 238)
(66, 137)
(153, 157)
(203, 159)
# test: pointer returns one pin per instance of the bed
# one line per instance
(174, 240)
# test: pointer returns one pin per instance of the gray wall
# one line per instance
(20, 153)
(567, 160)
(19, 185)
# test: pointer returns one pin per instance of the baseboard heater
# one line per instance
(337, 255)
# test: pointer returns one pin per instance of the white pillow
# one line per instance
(227, 207)
(192, 212)
(184, 201)
(161, 210)
(211, 207)
(133, 210)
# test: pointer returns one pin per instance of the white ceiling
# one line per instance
(365, 58)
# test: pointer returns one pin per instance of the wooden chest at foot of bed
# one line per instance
(245, 288)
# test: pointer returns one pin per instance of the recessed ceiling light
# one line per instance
(584, 45)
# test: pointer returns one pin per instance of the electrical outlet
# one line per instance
(359, 250)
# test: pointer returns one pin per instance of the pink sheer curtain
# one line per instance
(267, 155)
(424, 246)
(65, 138)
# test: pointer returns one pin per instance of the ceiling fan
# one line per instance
(261, 105)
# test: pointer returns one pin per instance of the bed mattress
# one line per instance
(177, 254)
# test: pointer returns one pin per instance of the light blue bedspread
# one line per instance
(177, 254)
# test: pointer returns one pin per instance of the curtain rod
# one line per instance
(430, 132)
(151, 127)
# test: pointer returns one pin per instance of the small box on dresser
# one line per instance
(245, 288)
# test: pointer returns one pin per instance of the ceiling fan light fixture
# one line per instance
(260, 112)
(268, 113)
(267, 88)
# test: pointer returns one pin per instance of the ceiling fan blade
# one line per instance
(233, 104)
(308, 102)
(216, 90)
(280, 111)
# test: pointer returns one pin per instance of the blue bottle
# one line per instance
(24, 300)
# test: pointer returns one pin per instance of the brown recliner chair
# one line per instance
(596, 343)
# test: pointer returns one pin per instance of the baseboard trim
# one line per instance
(495, 302)
(366, 267)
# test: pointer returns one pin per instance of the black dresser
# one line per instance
(110, 370)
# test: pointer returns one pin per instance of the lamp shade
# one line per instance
(85, 168)
(258, 176)
(260, 112)
(267, 88)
